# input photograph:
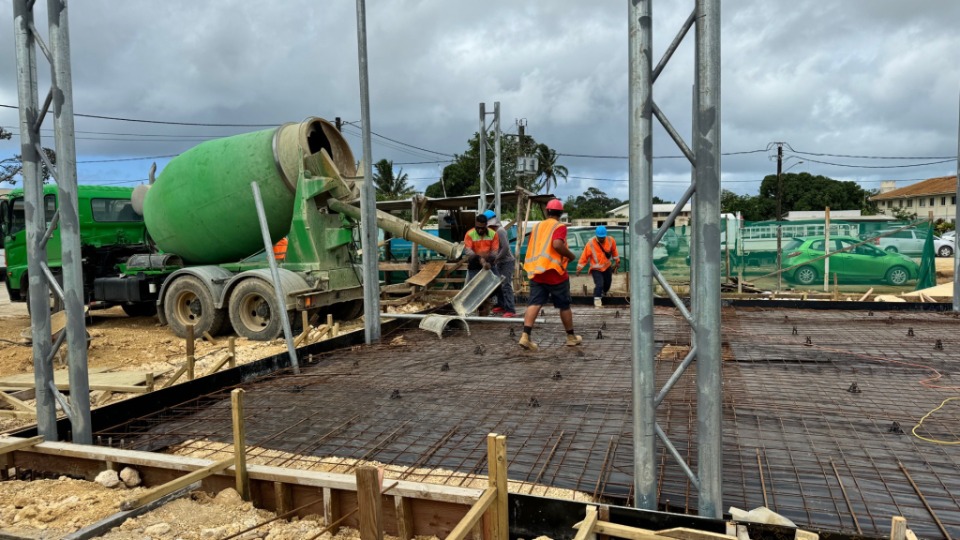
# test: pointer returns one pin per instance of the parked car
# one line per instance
(910, 242)
(862, 263)
(950, 236)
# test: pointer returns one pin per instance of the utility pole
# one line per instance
(484, 143)
(779, 215)
(339, 123)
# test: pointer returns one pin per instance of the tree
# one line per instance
(12, 167)
(548, 170)
(462, 177)
(801, 191)
(593, 203)
(390, 186)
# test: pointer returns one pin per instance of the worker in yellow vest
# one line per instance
(546, 266)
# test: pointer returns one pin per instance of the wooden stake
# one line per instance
(16, 403)
(898, 528)
(866, 294)
(283, 496)
(191, 359)
(585, 532)
(404, 512)
(149, 382)
(503, 510)
(232, 348)
(369, 503)
(487, 500)
(331, 505)
(239, 444)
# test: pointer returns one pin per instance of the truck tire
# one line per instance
(254, 312)
(187, 301)
(347, 311)
(140, 309)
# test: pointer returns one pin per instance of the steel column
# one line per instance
(368, 198)
(956, 226)
(497, 181)
(641, 240)
(35, 220)
(707, 222)
(71, 259)
(482, 142)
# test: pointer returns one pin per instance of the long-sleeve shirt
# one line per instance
(504, 254)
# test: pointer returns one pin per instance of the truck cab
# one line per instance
(110, 232)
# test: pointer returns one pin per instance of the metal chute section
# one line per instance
(403, 229)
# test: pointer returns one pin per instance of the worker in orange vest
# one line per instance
(602, 256)
(546, 266)
(280, 250)
(481, 245)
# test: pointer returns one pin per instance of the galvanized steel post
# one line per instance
(956, 225)
(35, 219)
(641, 237)
(497, 181)
(71, 259)
(368, 199)
(482, 143)
(707, 215)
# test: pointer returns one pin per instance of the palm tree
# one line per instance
(548, 171)
(390, 187)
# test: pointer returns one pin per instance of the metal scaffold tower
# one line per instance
(704, 317)
(485, 188)
(40, 226)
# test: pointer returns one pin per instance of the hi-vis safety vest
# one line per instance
(280, 250)
(596, 254)
(541, 255)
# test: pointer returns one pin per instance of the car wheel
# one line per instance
(945, 251)
(892, 249)
(187, 301)
(898, 275)
(806, 275)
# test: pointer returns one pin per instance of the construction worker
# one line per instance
(280, 250)
(546, 266)
(503, 266)
(481, 245)
(601, 253)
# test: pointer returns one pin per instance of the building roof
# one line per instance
(933, 186)
(657, 208)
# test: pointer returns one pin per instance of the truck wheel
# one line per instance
(253, 311)
(187, 301)
(140, 309)
(347, 311)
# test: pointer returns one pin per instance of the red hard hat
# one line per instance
(555, 204)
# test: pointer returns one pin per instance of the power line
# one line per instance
(598, 156)
(879, 166)
(162, 122)
(357, 124)
(870, 157)
(142, 158)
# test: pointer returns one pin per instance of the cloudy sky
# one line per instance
(845, 77)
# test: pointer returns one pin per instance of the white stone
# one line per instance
(130, 477)
(157, 529)
(228, 497)
(108, 479)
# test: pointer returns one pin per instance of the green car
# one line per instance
(862, 263)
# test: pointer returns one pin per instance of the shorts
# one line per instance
(540, 293)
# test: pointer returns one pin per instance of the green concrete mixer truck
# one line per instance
(205, 264)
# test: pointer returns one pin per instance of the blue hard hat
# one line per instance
(601, 232)
(489, 214)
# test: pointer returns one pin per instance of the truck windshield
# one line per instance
(18, 220)
(112, 210)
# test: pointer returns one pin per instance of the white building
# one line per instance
(937, 195)
(621, 216)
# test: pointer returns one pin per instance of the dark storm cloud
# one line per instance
(875, 77)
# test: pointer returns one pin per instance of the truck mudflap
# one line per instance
(291, 283)
(213, 277)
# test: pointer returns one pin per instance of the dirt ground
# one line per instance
(47, 509)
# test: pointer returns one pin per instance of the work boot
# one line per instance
(572, 340)
(597, 303)
(527, 344)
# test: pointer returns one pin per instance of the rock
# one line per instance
(108, 479)
(211, 533)
(157, 529)
(229, 497)
(130, 477)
